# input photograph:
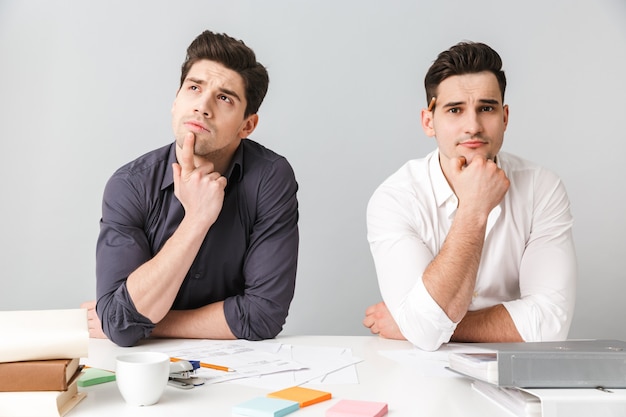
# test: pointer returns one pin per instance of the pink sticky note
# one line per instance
(355, 408)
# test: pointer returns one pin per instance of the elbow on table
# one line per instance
(120, 321)
(261, 328)
(255, 318)
(261, 332)
(424, 334)
(426, 344)
(122, 331)
(127, 337)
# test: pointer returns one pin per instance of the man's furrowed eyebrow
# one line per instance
(221, 89)
(454, 104)
(195, 80)
(230, 93)
(489, 101)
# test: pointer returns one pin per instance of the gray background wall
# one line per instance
(86, 86)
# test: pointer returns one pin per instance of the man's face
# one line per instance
(469, 117)
(211, 103)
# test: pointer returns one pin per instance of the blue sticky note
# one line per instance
(266, 407)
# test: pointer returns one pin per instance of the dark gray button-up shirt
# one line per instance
(248, 258)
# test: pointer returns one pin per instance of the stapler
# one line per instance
(183, 374)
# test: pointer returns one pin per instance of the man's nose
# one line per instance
(473, 123)
(203, 107)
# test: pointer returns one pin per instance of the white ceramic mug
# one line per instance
(142, 376)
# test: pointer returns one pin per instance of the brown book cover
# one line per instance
(48, 375)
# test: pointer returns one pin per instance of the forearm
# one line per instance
(154, 285)
(493, 324)
(206, 322)
(451, 277)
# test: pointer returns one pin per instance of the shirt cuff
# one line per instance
(422, 321)
(526, 318)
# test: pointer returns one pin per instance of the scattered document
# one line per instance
(270, 365)
(245, 358)
(427, 363)
(324, 365)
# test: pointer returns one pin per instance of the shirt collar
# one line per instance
(442, 190)
(234, 172)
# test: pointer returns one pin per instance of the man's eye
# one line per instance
(487, 108)
(224, 98)
(193, 88)
(454, 110)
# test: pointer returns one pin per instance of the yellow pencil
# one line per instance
(431, 105)
(218, 367)
(207, 365)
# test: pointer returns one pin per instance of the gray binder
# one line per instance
(567, 364)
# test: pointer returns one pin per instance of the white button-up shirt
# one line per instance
(528, 262)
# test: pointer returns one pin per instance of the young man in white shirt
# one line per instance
(471, 244)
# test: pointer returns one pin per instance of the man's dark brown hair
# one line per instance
(464, 58)
(234, 55)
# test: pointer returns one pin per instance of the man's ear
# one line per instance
(248, 126)
(174, 101)
(506, 115)
(428, 123)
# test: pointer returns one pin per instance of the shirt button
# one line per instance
(197, 275)
(475, 294)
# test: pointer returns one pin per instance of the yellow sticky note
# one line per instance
(304, 396)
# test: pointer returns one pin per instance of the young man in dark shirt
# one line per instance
(199, 239)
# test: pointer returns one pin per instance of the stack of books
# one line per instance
(40, 361)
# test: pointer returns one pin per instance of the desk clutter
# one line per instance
(268, 365)
(41, 354)
(39, 361)
(289, 400)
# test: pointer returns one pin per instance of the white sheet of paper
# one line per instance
(246, 358)
(430, 363)
(324, 365)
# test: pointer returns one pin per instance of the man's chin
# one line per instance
(469, 156)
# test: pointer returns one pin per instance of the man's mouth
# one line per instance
(472, 143)
(196, 126)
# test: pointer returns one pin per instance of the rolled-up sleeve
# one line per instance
(401, 257)
(269, 267)
(548, 269)
(121, 248)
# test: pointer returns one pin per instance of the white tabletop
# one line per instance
(406, 390)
